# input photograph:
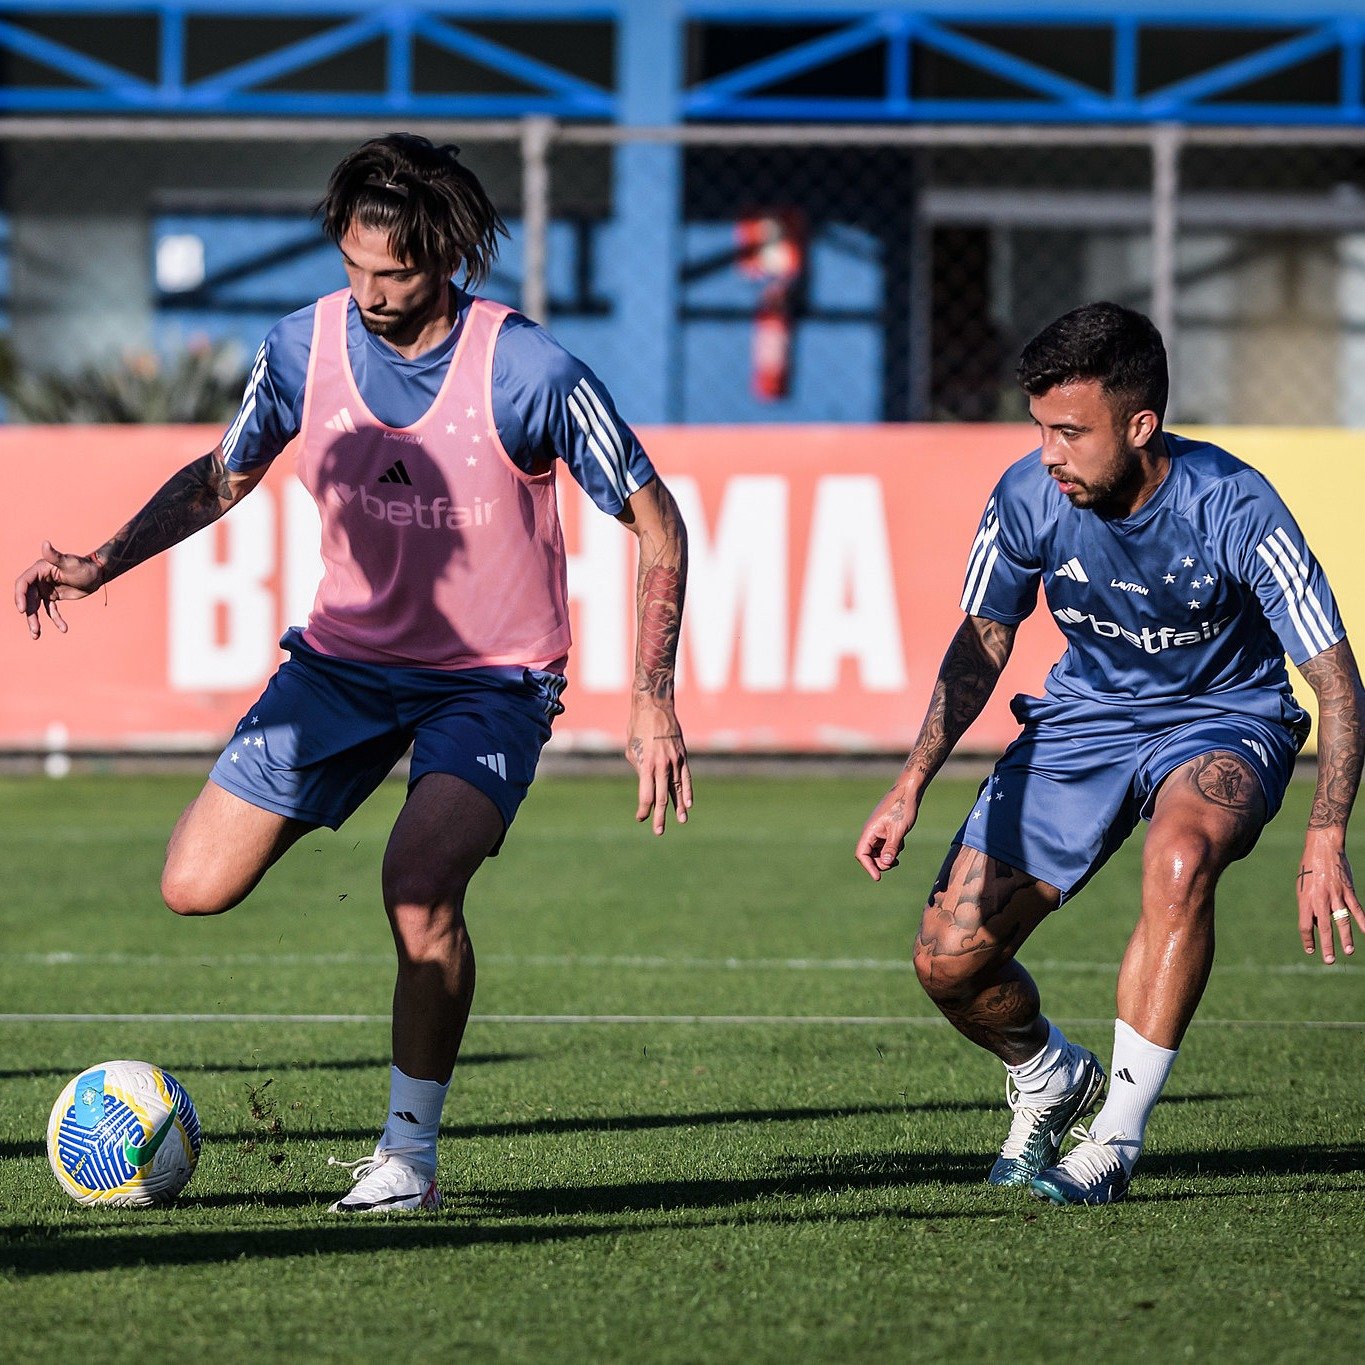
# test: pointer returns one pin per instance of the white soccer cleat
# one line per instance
(385, 1183)
(1090, 1173)
(1038, 1127)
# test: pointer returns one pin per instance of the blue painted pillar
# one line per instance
(647, 189)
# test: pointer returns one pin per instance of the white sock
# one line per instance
(1135, 1083)
(414, 1117)
(1050, 1073)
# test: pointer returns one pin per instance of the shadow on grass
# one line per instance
(187, 1070)
(625, 1123)
(25, 1256)
(605, 1123)
(534, 1216)
(1329, 1158)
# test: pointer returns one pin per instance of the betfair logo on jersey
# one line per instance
(438, 514)
(1148, 640)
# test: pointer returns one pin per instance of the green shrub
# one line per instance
(200, 383)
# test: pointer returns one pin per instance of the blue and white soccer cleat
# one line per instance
(1036, 1133)
(385, 1183)
(1090, 1173)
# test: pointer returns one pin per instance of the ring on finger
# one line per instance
(1341, 913)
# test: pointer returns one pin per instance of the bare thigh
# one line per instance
(220, 849)
(447, 827)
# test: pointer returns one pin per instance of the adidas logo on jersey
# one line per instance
(1072, 569)
(341, 422)
(396, 473)
(1258, 749)
(497, 762)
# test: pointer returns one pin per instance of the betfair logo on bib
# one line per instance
(437, 514)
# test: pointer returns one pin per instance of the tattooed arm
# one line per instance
(655, 743)
(967, 677)
(1325, 881)
(187, 502)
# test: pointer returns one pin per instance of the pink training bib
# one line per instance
(438, 552)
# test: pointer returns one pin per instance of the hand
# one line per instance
(1326, 888)
(657, 752)
(883, 836)
(55, 577)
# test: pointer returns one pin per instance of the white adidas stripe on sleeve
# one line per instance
(1287, 567)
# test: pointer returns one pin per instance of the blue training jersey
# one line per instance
(547, 404)
(1189, 604)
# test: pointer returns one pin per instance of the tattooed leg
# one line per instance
(979, 913)
(1209, 812)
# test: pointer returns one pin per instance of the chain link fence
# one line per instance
(721, 274)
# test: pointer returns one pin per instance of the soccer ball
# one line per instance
(123, 1133)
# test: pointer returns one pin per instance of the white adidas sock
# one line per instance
(1136, 1081)
(1050, 1073)
(414, 1117)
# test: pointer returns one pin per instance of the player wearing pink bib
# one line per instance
(429, 424)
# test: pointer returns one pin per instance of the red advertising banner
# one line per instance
(826, 570)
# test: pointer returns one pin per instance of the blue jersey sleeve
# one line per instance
(272, 404)
(1283, 572)
(551, 406)
(1003, 568)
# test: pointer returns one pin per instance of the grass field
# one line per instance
(772, 1150)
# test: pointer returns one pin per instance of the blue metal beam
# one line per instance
(953, 29)
(102, 87)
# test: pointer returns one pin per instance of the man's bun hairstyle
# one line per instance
(435, 211)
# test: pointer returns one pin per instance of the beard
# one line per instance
(386, 326)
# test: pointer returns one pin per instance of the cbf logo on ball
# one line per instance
(125, 1134)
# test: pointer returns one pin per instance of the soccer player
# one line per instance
(428, 423)
(1180, 582)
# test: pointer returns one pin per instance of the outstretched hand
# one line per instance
(1327, 898)
(883, 836)
(56, 577)
(658, 754)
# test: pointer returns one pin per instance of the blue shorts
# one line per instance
(1073, 787)
(326, 732)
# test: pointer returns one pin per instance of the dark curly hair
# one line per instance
(434, 209)
(1120, 348)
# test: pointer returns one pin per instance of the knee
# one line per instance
(427, 927)
(947, 962)
(1179, 870)
(186, 894)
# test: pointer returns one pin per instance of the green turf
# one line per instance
(696, 1191)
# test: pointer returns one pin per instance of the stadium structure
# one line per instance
(939, 177)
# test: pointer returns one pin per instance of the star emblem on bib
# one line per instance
(450, 428)
(471, 460)
(1187, 562)
(1170, 578)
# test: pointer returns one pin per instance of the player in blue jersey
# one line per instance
(1180, 581)
(429, 425)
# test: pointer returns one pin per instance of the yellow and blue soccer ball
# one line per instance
(124, 1134)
